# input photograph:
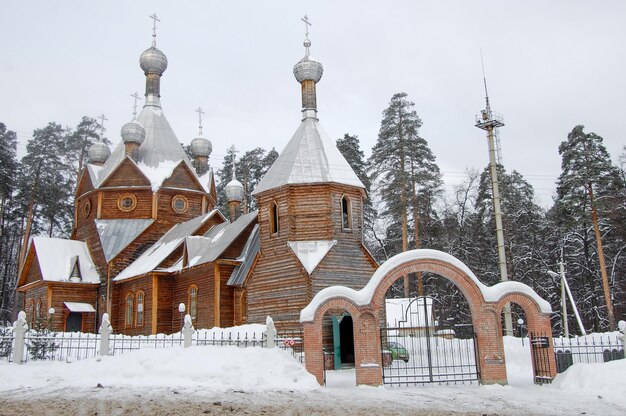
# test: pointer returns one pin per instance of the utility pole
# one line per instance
(489, 122)
(563, 300)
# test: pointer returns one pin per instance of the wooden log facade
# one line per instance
(279, 285)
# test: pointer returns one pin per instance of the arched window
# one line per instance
(32, 314)
(193, 301)
(273, 218)
(346, 213)
(140, 308)
(129, 310)
(37, 311)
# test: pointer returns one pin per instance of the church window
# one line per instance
(346, 213)
(127, 202)
(32, 314)
(129, 310)
(86, 208)
(37, 311)
(273, 218)
(180, 204)
(193, 301)
(140, 308)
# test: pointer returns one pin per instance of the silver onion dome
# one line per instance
(201, 147)
(99, 153)
(152, 60)
(133, 132)
(234, 189)
(308, 69)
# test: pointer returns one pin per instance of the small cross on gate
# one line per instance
(136, 97)
(200, 112)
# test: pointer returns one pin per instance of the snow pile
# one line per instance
(211, 369)
(519, 366)
(607, 381)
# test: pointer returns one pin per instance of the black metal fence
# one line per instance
(596, 348)
(540, 351)
(69, 346)
(413, 356)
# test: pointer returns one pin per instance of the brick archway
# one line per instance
(485, 304)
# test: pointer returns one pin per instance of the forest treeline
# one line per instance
(406, 208)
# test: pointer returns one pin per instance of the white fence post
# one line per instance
(270, 332)
(105, 332)
(188, 331)
(19, 328)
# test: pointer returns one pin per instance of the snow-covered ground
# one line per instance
(231, 380)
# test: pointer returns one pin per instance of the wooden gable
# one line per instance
(126, 174)
(182, 177)
(84, 183)
(31, 272)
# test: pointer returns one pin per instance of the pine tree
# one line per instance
(78, 142)
(9, 230)
(404, 174)
(588, 188)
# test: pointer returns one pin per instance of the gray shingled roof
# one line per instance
(309, 157)
(115, 235)
(247, 257)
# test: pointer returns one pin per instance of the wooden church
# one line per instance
(147, 236)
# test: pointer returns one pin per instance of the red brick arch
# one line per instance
(485, 304)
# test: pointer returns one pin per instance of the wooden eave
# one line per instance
(369, 255)
(84, 174)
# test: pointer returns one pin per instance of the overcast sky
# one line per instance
(550, 65)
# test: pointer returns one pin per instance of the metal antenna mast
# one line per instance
(490, 122)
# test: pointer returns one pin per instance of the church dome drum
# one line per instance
(152, 60)
(99, 153)
(133, 132)
(234, 190)
(201, 147)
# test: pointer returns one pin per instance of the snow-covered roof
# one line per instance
(309, 157)
(115, 235)
(311, 253)
(364, 296)
(409, 312)
(57, 257)
(160, 145)
(219, 238)
(249, 252)
(79, 307)
(159, 251)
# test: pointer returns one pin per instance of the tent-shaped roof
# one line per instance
(57, 257)
(160, 144)
(309, 157)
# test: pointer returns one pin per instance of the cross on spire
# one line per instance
(305, 19)
(155, 19)
(102, 118)
(136, 97)
(307, 42)
(200, 112)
